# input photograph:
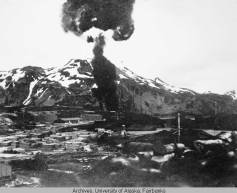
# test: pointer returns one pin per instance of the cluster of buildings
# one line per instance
(23, 144)
(48, 139)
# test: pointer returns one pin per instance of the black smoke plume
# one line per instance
(81, 15)
(105, 77)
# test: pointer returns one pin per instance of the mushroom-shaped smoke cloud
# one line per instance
(81, 15)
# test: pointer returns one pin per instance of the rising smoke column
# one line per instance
(81, 15)
(105, 76)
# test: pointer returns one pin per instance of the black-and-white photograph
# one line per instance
(118, 93)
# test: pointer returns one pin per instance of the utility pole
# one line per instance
(178, 127)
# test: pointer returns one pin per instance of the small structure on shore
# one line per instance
(72, 120)
(91, 117)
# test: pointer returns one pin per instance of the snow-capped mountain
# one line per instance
(72, 85)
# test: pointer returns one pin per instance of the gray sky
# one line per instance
(187, 43)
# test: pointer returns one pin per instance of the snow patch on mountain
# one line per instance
(11, 76)
(27, 100)
(126, 73)
(172, 88)
(68, 74)
(18, 75)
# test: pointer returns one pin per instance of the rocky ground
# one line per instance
(105, 158)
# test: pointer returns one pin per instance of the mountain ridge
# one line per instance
(72, 84)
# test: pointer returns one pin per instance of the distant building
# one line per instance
(49, 146)
(168, 119)
(91, 117)
(190, 117)
(72, 120)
